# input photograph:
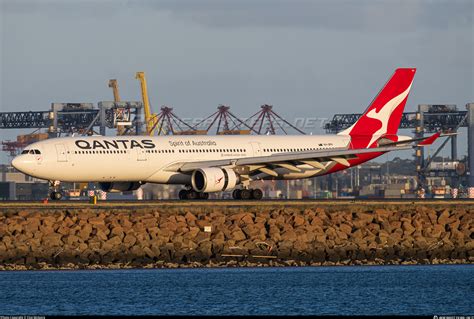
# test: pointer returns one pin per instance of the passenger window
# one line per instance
(25, 152)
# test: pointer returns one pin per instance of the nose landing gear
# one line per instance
(55, 193)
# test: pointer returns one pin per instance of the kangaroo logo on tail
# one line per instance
(384, 114)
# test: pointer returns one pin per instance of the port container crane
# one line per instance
(114, 85)
(150, 118)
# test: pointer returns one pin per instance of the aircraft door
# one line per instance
(141, 154)
(256, 148)
(61, 152)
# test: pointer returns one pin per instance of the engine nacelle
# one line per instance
(213, 179)
(115, 187)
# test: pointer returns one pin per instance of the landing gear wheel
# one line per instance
(257, 194)
(236, 194)
(55, 195)
(192, 195)
(245, 194)
(183, 194)
(203, 195)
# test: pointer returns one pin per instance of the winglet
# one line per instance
(430, 140)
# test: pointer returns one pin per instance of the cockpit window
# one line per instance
(30, 152)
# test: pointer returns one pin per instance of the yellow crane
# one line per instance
(114, 85)
(150, 118)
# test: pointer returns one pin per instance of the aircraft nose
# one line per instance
(16, 163)
(23, 164)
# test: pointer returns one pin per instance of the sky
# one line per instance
(309, 59)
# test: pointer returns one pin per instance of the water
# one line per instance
(363, 290)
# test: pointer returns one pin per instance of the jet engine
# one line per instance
(213, 179)
(115, 187)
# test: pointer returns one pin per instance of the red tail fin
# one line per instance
(384, 114)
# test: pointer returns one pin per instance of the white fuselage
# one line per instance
(148, 159)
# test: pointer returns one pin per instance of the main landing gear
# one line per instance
(55, 193)
(192, 194)
(246, 194)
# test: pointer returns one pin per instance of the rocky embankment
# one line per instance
(235, 236)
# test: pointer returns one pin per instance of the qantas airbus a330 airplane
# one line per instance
(205, 164)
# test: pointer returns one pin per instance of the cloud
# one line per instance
(72, 8)
(362, 15)
(365, 15)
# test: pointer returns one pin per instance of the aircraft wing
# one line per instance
(288, 160)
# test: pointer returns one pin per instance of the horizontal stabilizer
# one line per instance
(430, 140)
